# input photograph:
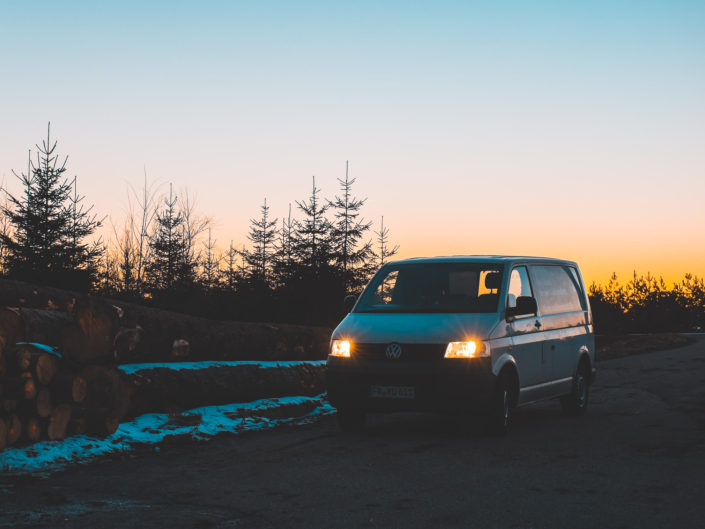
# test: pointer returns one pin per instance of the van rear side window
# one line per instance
(556, 289)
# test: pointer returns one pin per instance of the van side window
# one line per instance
(556, 289)
(518, 286)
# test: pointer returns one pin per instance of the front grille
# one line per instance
(409, 352)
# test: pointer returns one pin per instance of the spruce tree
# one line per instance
(347, 231)
(383, 252)
(50, 226)
(262, 235)
(312, 241)
(169, 265)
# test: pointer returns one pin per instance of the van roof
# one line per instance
(503, 259)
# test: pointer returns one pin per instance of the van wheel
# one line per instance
(577, 402)
(351, 420)
(500, 413)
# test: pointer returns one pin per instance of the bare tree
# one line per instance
(193, 227)
(146, 201)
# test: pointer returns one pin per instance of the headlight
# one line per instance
(469, 349)
(340, 348)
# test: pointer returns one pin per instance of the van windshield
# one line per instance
(433, 288)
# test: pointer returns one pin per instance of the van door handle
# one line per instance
(537, 324)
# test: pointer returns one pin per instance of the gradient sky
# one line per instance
(567, 129)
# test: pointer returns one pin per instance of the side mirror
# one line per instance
(349, 302)
(525, 305)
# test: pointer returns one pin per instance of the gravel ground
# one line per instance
(637, 459)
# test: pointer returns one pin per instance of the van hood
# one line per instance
(415, 328)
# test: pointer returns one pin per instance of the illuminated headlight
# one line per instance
(340, 348)
(469, 349)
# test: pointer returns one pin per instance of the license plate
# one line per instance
(392, 392)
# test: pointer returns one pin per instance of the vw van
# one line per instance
(464, 334)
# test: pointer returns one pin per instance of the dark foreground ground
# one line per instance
(637, 459)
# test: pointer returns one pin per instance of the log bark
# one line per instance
(171, 390)
(97, 422)
(161, 336)
(11, 328)
(91, 338)
(58, 422)
(44, 326)
(20, 294)
(155, 335)
(106, 388)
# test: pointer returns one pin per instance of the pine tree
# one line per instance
(50, 226)
(82, 223)
(210, 264)
(262, 235)
(169, 265)
(347, 230)
(284, 263)
(383, 252)
(231, 275)
(312, 241)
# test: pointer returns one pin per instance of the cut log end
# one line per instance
(33, 430)
(58, 422)
(3, 434)
(44, 403)
(30, 389)
(79, 389)
(14, 431)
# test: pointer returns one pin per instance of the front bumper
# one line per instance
(452, 385)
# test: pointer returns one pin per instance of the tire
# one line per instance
(499, 418)
(576, 403)
(351, 420)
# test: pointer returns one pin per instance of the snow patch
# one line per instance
(134, 368)
(152, 428)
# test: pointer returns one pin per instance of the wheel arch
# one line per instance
(506, 366)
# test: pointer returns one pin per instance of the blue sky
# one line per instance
(461, 120)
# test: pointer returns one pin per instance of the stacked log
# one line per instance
(38, 394)
(143, 334)
(167, 390)
(59, 353)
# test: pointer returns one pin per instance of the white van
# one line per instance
(483, 333)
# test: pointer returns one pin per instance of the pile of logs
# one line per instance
(59, 357)
(44, 394)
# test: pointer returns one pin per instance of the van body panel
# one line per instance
(415, 328)
(527, 350)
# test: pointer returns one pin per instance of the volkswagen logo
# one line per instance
(393, 351)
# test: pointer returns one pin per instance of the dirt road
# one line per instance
(637, 459)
